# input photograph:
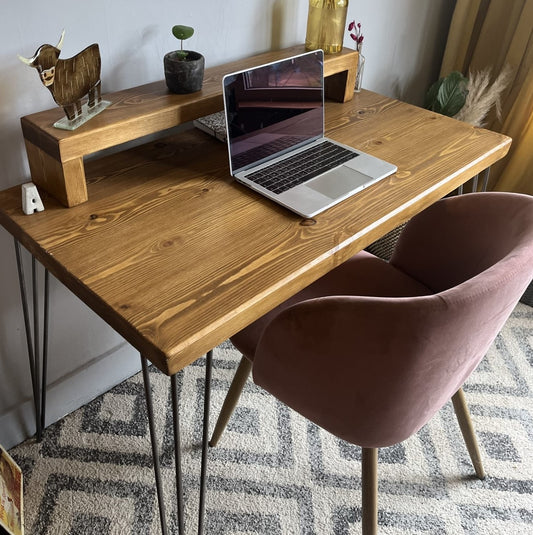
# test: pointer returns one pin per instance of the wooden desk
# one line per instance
(176, 256)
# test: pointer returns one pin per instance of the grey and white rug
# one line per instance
(275, 473)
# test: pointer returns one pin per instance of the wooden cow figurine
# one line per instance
(69, 80)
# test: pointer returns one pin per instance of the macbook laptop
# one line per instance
(275, 123)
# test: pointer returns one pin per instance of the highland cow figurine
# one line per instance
(70, 80)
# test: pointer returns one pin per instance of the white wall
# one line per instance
(404, 41)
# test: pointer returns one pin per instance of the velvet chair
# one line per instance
(372, 350)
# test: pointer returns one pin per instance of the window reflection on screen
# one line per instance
(274, 108)
(296, 73)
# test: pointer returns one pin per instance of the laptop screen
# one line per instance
(273, 108)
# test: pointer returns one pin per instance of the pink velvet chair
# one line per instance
(372, 350)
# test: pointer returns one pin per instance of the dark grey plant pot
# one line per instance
(184, 76)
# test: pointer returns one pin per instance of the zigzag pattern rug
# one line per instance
(275, 473)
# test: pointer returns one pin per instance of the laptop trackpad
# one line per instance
(339, 182)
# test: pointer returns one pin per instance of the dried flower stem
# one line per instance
(355, 33)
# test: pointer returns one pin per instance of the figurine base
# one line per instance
(86, 113)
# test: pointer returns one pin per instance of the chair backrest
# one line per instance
(374, 370)
(460, 237)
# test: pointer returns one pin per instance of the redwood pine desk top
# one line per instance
(177, 256)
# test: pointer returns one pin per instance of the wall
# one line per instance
(404, 42)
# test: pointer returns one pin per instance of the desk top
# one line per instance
(177, 256)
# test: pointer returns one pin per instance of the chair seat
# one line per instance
(364, 275)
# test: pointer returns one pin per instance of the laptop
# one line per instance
(274, 117)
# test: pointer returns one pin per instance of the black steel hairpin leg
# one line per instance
(205, 438)
(155, 449)
(38, 379)
(475, 179)
(45, 345)
(177, 452)
(177, 446)
(474, 183)
(485, 182)
(486, 174)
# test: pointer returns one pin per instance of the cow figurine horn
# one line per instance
(29, 61)
(26, 61)
(60, 43)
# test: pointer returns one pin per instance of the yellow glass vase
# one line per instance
(326, 25)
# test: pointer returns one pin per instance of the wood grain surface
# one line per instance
(177, 256)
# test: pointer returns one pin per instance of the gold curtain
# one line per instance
(496, 33)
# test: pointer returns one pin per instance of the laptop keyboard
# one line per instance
(301, 167)
(264, 151)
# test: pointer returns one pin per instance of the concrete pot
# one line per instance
(184, 76)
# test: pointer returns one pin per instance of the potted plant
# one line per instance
(184, 69)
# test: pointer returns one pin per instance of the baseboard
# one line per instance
(71, 392)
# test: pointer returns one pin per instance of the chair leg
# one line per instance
(370, 491)
(467, 429)
(232, 397)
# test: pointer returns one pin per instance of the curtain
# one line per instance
(496, 34)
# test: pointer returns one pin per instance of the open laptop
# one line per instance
(275, 123)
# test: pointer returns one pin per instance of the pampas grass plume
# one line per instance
(482, 96)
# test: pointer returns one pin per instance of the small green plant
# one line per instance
(447, 95)
(182, 32)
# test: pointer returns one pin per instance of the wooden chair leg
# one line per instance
(232, 397)
(370, 491)
(467, 429)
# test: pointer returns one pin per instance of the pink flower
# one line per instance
(355, 33)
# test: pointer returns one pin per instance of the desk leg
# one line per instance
(177, 452)
(155, 448)
(484, 185)
(38, 378)
(486, 175)
(205, 440)
(177, 446)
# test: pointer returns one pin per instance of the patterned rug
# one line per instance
(275, 473)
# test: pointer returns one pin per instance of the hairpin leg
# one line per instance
(474, 183)
(38, 379)
(177, 446)
(37, 373)
(155, 449)
(486, 174)
(475, 180)
(205, 432)
(45, 346)
(177, 453)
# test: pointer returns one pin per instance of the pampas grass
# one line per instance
(482, 96)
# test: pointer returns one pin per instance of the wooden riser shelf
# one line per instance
(56, 156)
